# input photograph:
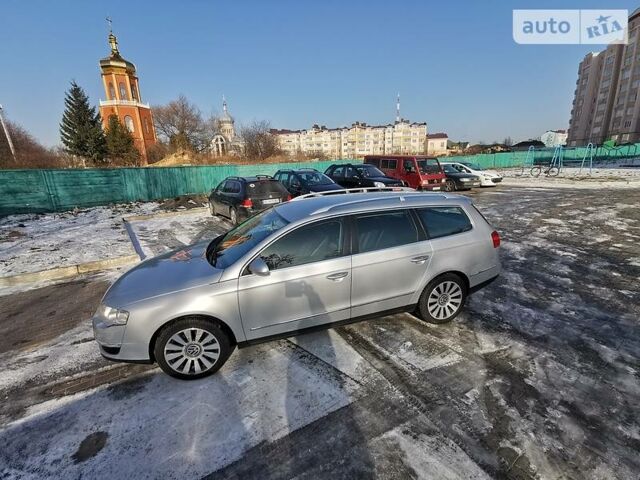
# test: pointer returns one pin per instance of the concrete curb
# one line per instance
(70, 271)
(134, 218)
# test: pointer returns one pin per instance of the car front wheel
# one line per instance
(192, 348)
(449, 186)
(442, 300)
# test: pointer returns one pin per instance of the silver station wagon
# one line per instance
(320, 260)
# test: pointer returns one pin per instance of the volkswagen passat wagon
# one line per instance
(304, 264)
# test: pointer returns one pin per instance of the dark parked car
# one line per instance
(306, 180)
(457, 180)
(360, 175)
(238, 198)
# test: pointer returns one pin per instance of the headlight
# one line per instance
(113, 316)
(465, 179)
(379, 184)
(444, 180)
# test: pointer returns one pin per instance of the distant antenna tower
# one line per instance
(6, 134)
(398, 109)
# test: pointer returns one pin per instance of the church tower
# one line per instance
(124, 101)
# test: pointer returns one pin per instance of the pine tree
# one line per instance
(80, 130)
(120, 146)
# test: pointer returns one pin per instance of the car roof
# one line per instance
(254, 178)
(329, 205)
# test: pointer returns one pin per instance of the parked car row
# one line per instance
(238, 198)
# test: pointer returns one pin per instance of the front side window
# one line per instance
(226, 250)
(443, 221)
(385, 230)
(308, 244)
(314, 178)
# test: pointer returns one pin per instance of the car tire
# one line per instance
(191, 348)
(233, 216)
(449, 186)
(442, 300)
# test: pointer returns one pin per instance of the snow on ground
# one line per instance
(157, 235)
(161, 427)
(571, 177)
(34, 242)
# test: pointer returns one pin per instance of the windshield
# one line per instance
(225, 251)
(428, 166)
(473, 166)
(369, 171)
(314, 178)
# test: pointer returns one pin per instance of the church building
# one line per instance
(122, 90)
(225, 141)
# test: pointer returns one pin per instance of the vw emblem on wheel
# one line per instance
(193, 350)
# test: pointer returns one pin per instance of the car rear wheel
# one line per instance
(442, 300)
(449, 186)
(192, 348)
(233, 216)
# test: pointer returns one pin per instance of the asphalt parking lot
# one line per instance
(537, 378)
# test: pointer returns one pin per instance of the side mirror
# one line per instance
(259, 267)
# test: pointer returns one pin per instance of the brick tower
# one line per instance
(123, 99)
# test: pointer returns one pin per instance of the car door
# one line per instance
(351, 178)
(390, 260)
(217, 198)
(411, 173)
(308, 284)
(337, 175)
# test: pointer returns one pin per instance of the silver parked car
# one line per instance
(317, 261)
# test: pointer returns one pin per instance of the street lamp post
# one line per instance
(6, 134)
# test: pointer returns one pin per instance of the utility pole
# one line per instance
(6, 134)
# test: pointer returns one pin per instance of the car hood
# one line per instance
(385, 180)
(490, 173)
(175, 270)
(325, 188)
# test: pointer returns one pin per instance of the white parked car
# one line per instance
(488, 178)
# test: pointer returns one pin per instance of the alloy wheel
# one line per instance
(444, 300)
(192, 351)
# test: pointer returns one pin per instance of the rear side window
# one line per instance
(385, 230)
(338, 172)
(373, 161)
(443, 221)
(262, 188)
(390, 164)
(308, 244)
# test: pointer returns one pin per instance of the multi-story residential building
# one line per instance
(606, 104)
(401, 137)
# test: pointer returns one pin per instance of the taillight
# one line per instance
(247, 203)
(495, 237)
(288, 197)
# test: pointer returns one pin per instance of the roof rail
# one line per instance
(263, 176)
(354, 190)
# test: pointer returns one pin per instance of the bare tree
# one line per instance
(29, 152)
(180, 124)
(259, 142)
(507, 141)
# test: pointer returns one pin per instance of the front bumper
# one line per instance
(108, 336)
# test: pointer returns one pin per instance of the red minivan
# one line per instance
(416, 171)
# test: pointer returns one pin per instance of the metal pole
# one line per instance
(6, 133)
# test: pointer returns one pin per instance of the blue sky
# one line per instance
(296, 63)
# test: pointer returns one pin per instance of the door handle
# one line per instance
(337, 277)
(420, 259)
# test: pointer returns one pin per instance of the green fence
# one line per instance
(32, 191)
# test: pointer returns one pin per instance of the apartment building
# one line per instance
(606, 105)
(402, 137)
